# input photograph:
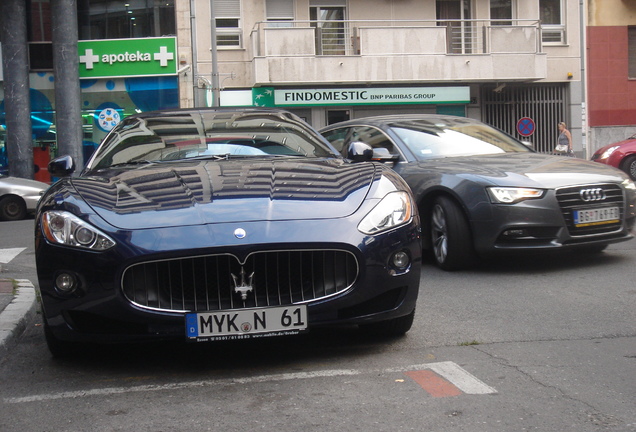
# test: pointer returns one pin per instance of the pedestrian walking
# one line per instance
(564, 142)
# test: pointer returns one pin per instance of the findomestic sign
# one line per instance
(265, 96)
(114, 58)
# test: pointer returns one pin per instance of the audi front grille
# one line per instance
(591, 197)
(221, 282)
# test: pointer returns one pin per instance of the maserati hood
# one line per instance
(206, 192)
(525, 170)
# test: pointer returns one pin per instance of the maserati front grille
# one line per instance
(221, 282)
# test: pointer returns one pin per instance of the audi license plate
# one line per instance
(246, 323)
(599, 216)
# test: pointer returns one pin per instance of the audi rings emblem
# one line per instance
(596, 194)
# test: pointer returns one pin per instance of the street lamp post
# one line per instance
(215, 65)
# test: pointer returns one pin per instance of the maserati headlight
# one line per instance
(64, 228)
(393, 210)
(607, 153)
(512, 195)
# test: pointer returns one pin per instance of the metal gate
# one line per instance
(503, 106)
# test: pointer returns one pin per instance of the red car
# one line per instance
(620, 155)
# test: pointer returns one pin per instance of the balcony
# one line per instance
(334, 52)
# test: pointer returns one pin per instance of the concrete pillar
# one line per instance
(68, 113)
(17, 103)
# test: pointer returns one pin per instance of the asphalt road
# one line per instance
(537, 343)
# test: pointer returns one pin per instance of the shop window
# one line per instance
(40, 56)
(454, 110)
(552, 23)
(336, 116)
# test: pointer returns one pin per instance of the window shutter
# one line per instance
(280, 9)
(227, 8)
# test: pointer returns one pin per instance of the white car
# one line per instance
(19, 196)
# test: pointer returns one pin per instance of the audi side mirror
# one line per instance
(384, 155)
(359, 152)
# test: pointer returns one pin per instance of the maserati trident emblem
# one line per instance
(596, 194)
(242, 286)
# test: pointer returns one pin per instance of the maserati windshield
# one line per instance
(215, 135)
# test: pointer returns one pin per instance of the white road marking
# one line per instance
(462, 379)
(6, 255)
(448, 370)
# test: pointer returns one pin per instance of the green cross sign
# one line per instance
(127, 57)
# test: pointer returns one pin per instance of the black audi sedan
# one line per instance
(480, 191)
(216, 224)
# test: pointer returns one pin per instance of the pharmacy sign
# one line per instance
(114, 58)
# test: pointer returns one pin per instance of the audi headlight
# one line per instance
(629, 185)
(66, 229)
(607, 153)
(512, 195)
(393, 210)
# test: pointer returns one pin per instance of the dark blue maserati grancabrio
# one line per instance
(216, 224)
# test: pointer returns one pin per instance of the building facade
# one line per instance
(516, 64)
(500, 61)
(611, 70)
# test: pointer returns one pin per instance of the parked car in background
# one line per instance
(482, 192)
(621, 155)
(19, 197)
(209, 224)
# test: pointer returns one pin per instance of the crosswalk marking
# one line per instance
(449, 371)
(6, 255)
(461, 378)
(433, 384)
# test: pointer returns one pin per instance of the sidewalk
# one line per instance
(17, 306)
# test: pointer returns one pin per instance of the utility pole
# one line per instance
(17, 101)
(215, 66)
(68, 113)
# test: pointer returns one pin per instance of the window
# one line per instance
(331, 33)
(501, 10)
(551, 15)
(39, 26)
(631, 46)
(228, 23)
(373, 137)
(341, 138)
(337, 116)
(460, 32)
(129, 19)
(337, 139)
(281, 11)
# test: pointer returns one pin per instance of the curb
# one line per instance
(15, 316)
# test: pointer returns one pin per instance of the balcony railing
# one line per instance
(353, 38)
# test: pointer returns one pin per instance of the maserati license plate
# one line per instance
(246, 323)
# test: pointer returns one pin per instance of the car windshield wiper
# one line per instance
(133, 162)
(207, 157)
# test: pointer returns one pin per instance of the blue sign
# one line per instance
(525, 126)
